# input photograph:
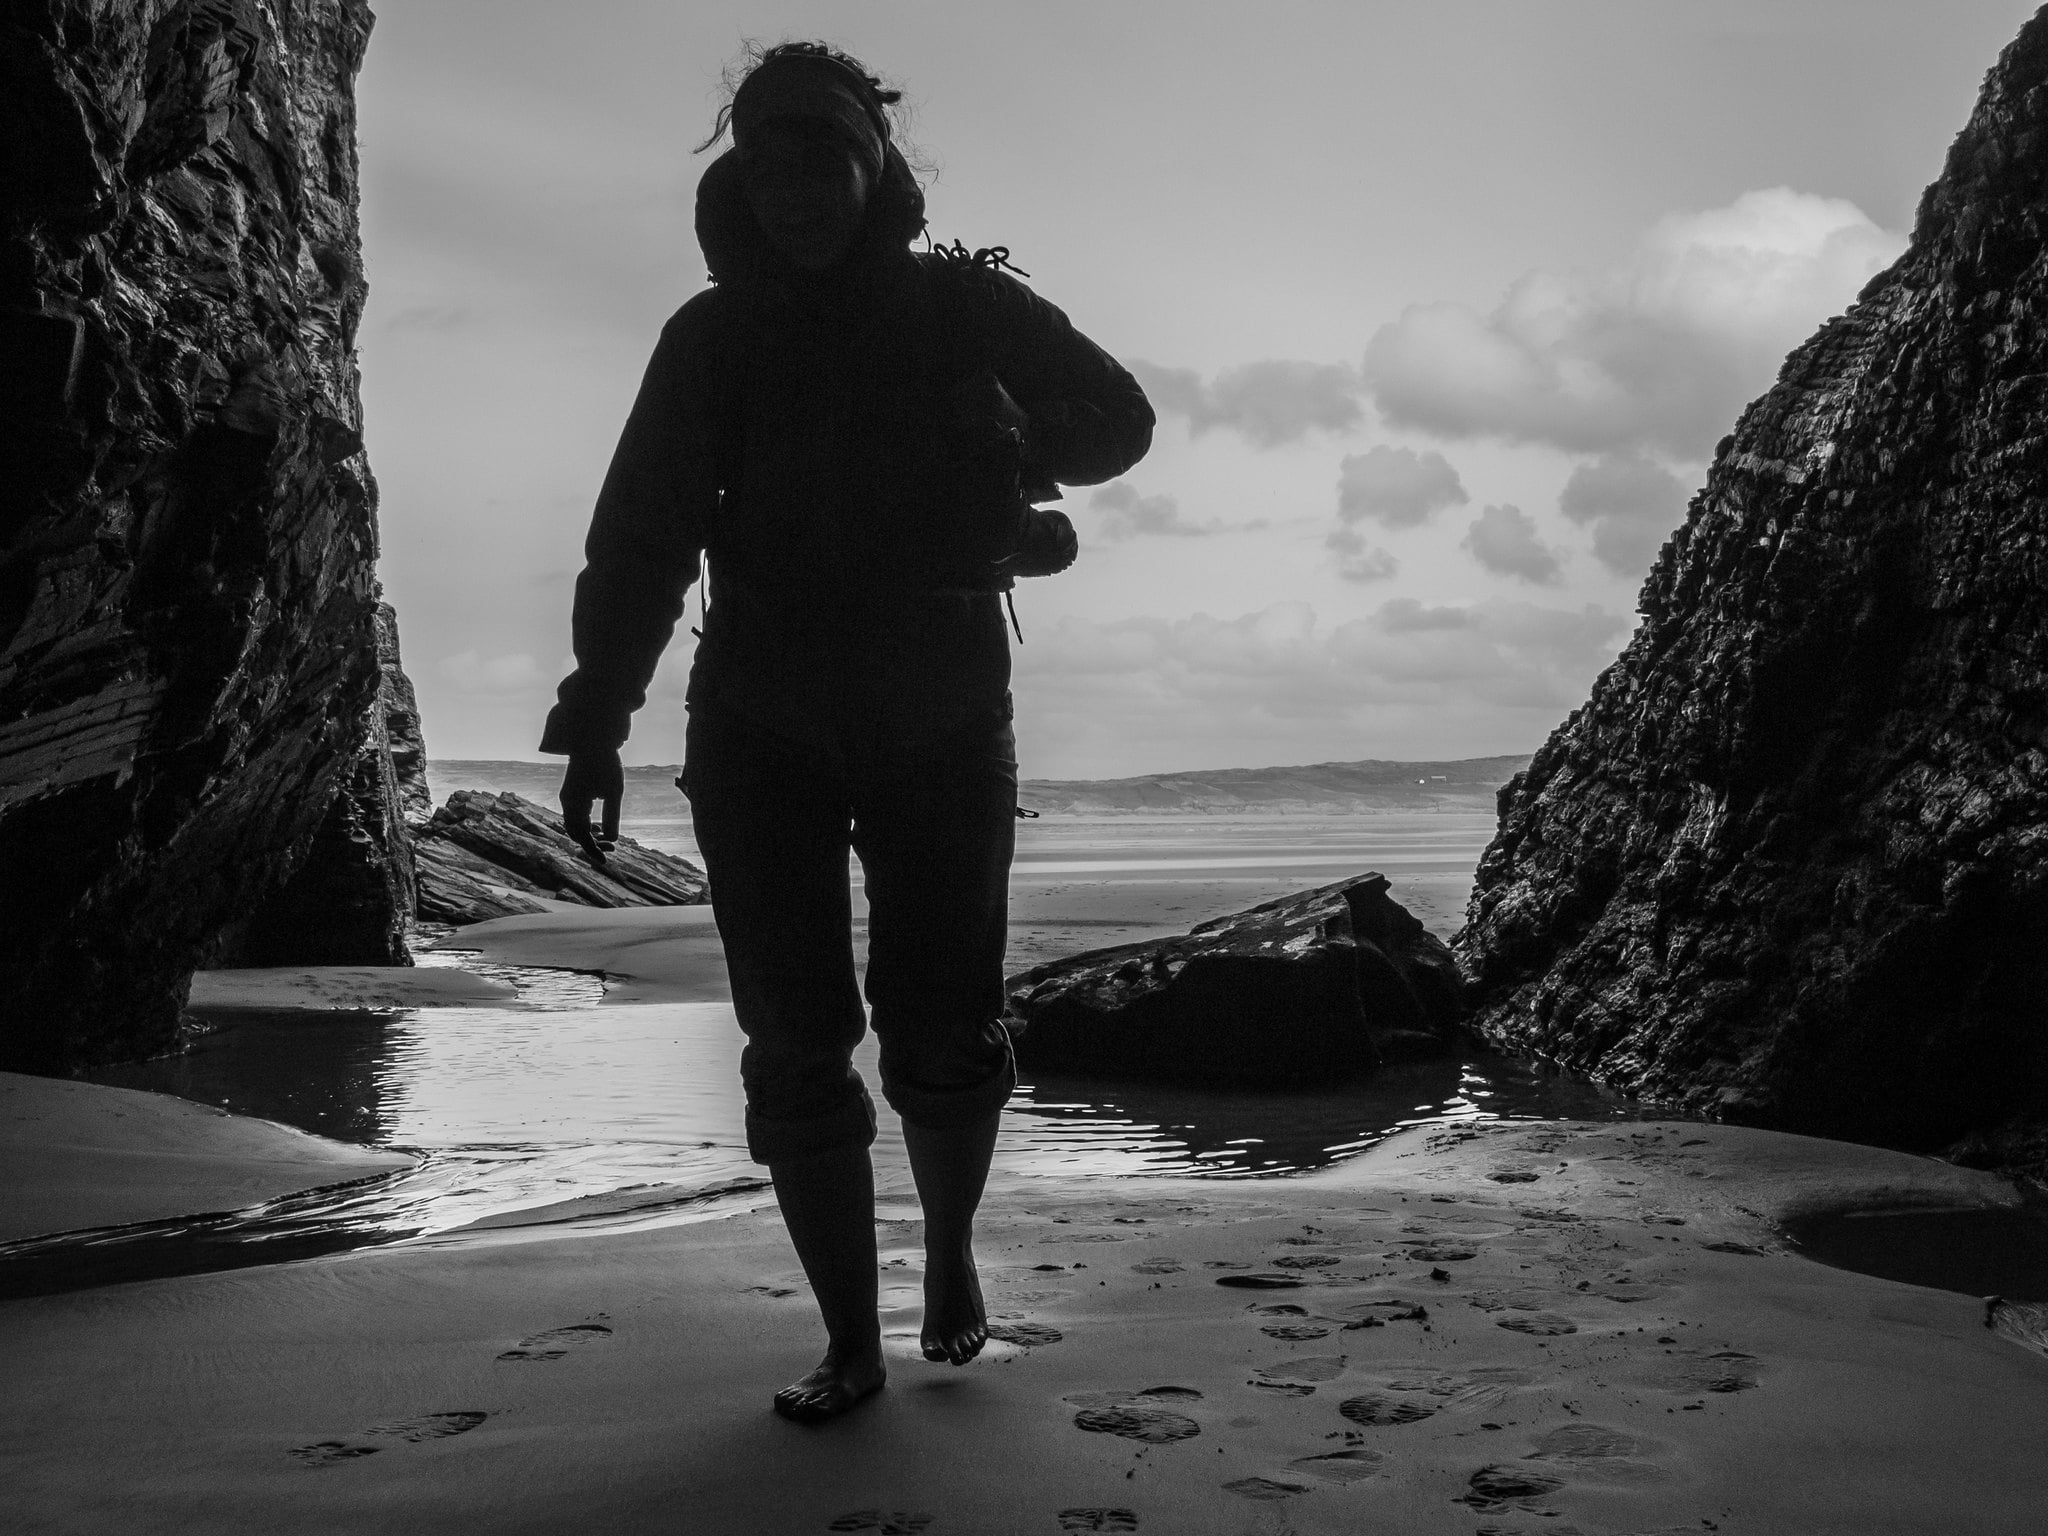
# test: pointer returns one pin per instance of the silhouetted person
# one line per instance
(852, 433)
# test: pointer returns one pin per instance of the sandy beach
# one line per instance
(1562, 1327)
(1615, 1341)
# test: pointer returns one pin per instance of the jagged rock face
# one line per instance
(187, 599)
(351, 896)
(398, 710)
(1789, 863)
(1312, 988)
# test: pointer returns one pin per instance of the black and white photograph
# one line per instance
(1181, 767)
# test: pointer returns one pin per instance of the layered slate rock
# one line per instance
(484, 855)
(1308, 989)
(1789, 863)
(188, 654)
(351, 897)
(398, 711)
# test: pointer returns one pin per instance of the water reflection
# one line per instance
(519, 1107)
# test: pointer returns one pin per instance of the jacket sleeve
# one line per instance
(1090, 420)
(646, 541)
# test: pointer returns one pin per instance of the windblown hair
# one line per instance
(755, 54)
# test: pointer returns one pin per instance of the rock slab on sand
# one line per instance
(485, 856)
(1618, 1345)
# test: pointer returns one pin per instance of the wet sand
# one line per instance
(1562, 1328)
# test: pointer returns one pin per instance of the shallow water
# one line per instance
(564, 1097)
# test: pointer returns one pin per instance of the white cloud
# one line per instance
(1504, 540)
(1662, 352)
(515, 673)
(1396, 487)
(1280, 663)
(1357, 561)
(1128, 514)
(1632, 505)
(1268, 403)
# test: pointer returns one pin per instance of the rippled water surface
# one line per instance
(565, 1097)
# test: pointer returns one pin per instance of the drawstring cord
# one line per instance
(1010, 603)
(995, 256)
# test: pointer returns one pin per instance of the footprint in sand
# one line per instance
(1434, 1253)
(1098, 1520)
(1264, 1488)
(1158, 1267)
(1027, 1334)
(325, 1453)
(1687, 1371)
(1137, 1415)
(431, 1426)
(1600, 1451)
(1306, 1261)
(1483, 1386)
(889, 1522)
(1507, 1301)
(1380, 1411)
(1296, 1333)
(556, 1342)
(1257, 1282)
(1382, 1310)
(1539, 1324)
(1352, 1466)
(1298, 1378)
(1507, 1486)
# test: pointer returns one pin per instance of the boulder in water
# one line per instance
(1308, 989)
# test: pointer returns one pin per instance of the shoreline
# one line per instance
(1575, 1327)
(1611, 1332)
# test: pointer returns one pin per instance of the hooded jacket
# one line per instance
(804, 431)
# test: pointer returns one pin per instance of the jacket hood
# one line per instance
(735, 248)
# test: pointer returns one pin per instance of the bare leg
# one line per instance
(951, 1167)
(828, 1201)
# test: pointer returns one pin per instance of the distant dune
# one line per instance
(1370, 785)
(1467, 784)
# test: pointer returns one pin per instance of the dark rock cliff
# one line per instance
(188, 647)
(1789, 863)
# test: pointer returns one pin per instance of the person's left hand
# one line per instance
(592, 776)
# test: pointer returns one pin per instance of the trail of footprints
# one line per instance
(552, 1344)
(1555, 1457)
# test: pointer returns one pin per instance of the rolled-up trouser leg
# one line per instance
(772, 821)
(935, 831)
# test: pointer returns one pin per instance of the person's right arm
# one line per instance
(645, 547)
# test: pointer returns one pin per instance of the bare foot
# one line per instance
(842, 1378)
(955, 1322)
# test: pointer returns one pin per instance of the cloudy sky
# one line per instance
(1443, 304)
